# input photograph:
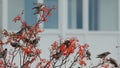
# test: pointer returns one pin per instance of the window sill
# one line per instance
(91, 32)
(51, 32)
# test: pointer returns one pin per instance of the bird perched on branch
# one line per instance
(38, 8)
(20, 32)
(67, 43)
(88, 54)
(15, 45)
(103, 55)
(36, 40)
(3, 54)
(57, 55)
(113, 62)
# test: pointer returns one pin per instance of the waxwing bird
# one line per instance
(27, 40)
(113, 61)
(67, 43)
(15, 45)
(57, 55)
(103, 55)
(3, 54)
(36, 41)
(38, 8)
(88, 54)
(20, 32)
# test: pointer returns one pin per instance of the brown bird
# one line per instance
(103, 55)
(15, 45)
(27, 40)
(20, 32)
(57, 55)
(113, 61)
(36, 41)
(3, 54)
(88, 54)
(38, 8)
(67, 43)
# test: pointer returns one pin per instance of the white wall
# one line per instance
(0, 15)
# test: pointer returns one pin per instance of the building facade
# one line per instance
(96, 22)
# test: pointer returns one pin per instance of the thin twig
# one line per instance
(13, 55)
(20, 58)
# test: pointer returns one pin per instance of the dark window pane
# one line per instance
(75, 14)
(53, 20)
(93, 12)
(29, 13)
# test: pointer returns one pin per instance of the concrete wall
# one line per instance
(0, 15)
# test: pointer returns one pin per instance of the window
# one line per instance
(103, 15)
(52, 21)
(75, 14)
(14, 7)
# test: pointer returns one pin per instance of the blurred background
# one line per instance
(96, 22)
